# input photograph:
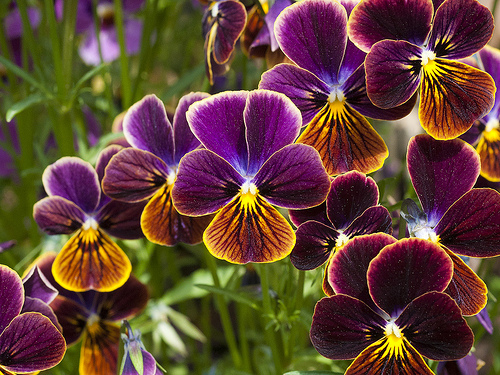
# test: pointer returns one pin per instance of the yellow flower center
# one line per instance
(393, 333)
(427, 57)
(171, 178)
(90, 223)
(492, 124)
(341, 240)
(248, 192)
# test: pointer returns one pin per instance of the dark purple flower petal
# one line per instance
(121, 219)
(31, 343)
(37, 305)
(272, 122)
(306, 91)
(132, 6)
(270, 20)
(374, 219)
(11, 295)
(484, 318)
(343, 327)
(465, 366)
(134, 175)
(316, 213)
(56, 215)
(460, 29)
(147, 127)
(441, 172)
(313, 246)
(293, 177)
(406, 270)
(184, 139)
(71, 316)
(205, 183)
(434, 325)
(392, 72)
(7, 245)
(13, 25)
(490, 57)
(218, 123)
(350, 195)
(75, 180)
(313, 35)
(375, 20)
(100, 167)
(347, 270)
(36, 285)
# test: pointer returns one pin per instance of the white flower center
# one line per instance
(392, 329)
(171, 177)
(341, 240)
(90, 223)
(215, 10)
(248, 187)
(336, 95)
(426, 233)
(492, 124)
(427, 56)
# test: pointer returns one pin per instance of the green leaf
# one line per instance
(183, 323)
(27, 102)
(170, 336)
(86, 77)
(135, 354)
(235, 296)
(22, 73)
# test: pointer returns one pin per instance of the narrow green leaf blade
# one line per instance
(27, 102)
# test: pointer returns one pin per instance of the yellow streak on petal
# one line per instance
(488, 149)
(91, 260)
(99, 352)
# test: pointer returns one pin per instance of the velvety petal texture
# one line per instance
(56, 215)
(11, 295)
(37, 286)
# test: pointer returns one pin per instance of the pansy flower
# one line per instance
(136, 359)
(95, 318)
(147, 171)
(249, 164)
(464, 221)
(90, 259)
(416, 44)
(29, 341)
(328, 85)
(351, 209)
(389, 309)
(222, 24)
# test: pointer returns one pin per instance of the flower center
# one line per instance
(248, 192)
(171, 177)
(215, 10)
(426, 233)
(491, 125)
(392, 331)
(106, 13)
(427, 56)
(93, 319)
(336, 95)
(90, 223)
(341, 240)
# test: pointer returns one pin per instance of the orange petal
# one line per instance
(345, 140)
(91, 260)
(488, 149)
(249, 229)
(99, 353)
(162, 224)
(452, 96)
(389, 356)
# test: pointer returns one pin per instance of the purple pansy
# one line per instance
(29, 340)
(389, 309)
(107, 39)
(351, 209)
(464, 221)
(136, 359)
(75, 203)
(147, 171)
(414, 44)
(327, 83)
(467, 365)
(249, 164)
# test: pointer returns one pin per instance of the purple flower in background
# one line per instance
(147, 170)
(108, 39)
(351, 209)
(249, 164)
(462, 220)
(416, 44)
(389, 309)
(29, 341)
(90, 259)
(467, 365)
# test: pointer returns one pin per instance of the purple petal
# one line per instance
(347, 270)
(134, 175)
(490, 57)
(316, 213)
(122, 219)
(374, 219)
(31, 343)
(466, 365)
(441, 172)
(56, 215)
(306, 91)
(71, 316)
(313, 246)
(313, 35)
(75, 180)
(375, 20)
(149, 365)
(218, 123)
(11, 295)
(147, 127)
(132, 6)
(392, 72)
(484, 318)
(100, 167)
(12, 23)
(470, 226)
(205, 183)
(406, 270)
(343, 327)
(270, 20)
(36, 305)
(184, 139)
(434, 325)
(350, 195)
(272, 122)
(89, 47)
(133, 35)
(36, 285)
(293, 177)
(460, 29)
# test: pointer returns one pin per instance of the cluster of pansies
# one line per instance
(225, 169)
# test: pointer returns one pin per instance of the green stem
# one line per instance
(243, 318)
(56, 45)
(268, 313)
(124, 70)
(69, 14)
(28, 35)
(224, 312)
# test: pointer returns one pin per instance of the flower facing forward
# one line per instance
(389, 309)
(414, 44)
(462, 220)
(249, 163)
(90, 259)
(147, 171)
(327, 83)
